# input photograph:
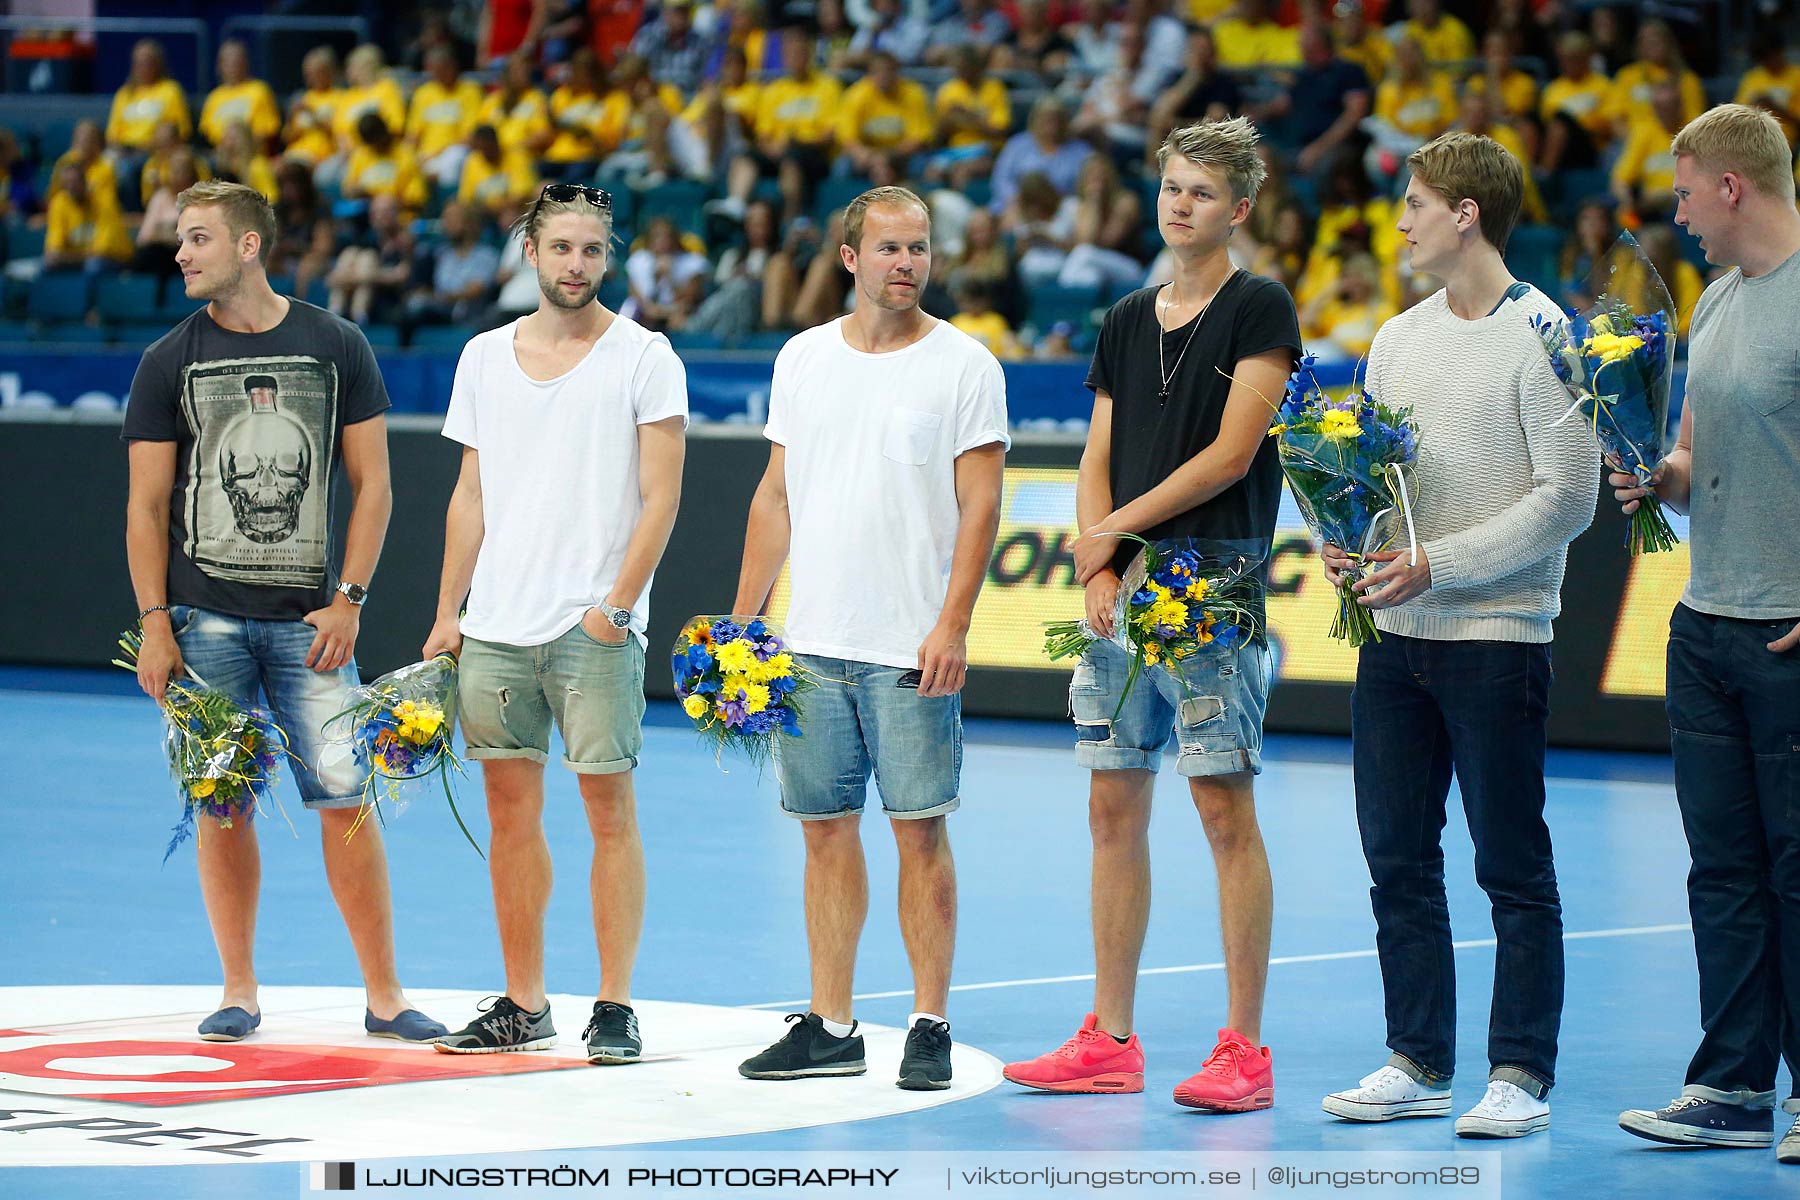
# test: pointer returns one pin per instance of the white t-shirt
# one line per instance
(559, 475)
(871, 441)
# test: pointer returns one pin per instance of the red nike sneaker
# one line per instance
(1091, 1061)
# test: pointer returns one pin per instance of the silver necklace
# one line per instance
(1168, 376)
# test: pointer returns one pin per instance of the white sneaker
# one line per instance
(1387, 1094)
(1507, 1111)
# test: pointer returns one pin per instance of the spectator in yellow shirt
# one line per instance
(148, 98)
(441, 116)
(974, 114)
(1773, 83)
(87, 151)
(1357, 43)
(85, 227)
(1515, 92)
(239, 98)
(1253, 37)
(518, 111)
(1349, 313)
(791, 131)
(239, 160)
(1658, 59)
(164, 147)
(1573, 109)
(369, 91)
(724, 109)
(976, 317)
(1441, 37)
(1679, 276)
(314, 112)
(157, 241)
(382, 165)
(577, 110)
(884, 116)
(1415, 101)
(1478, 115)
(494, 179)
(1643, 180)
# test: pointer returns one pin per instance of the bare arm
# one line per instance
(147, 555)
(662, 447)
(944, 655)
(1093, 502)
(1356, 107)
(765, 536)
(372, 502)
(463, 531)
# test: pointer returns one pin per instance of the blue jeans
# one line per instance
(1734, 721)
(1217, 716)
(1420, 709)
(241, 656)
(859, 720)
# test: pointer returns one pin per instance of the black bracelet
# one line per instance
(153, 608)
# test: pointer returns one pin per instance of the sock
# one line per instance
(923, 1016)
(1121, 1040)
(837, 1029)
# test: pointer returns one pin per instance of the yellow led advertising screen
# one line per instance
(1640, 638)
(1031, 580)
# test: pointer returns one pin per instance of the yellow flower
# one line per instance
(1172, 613)
(1161, 593)
(756, 697)
(1340, 424)
(1609, 347)
(1197, 589)
(699, 634)
(203, 788)
(694, 706)
(1152, 653)
(736, 658)
(1277, 430)
(776, 667)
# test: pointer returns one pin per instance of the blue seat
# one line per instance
(680, 200)
(175, 304)
(72, 333)
(1534, 254)
(762, 343)
(382, 337)
(682, 340)
(1048, 305)
(16, 331)
(137, 333)
(22, 241)
(128, 297)
(615, 289)
(59, 296)
(835, 192)
(441, 338)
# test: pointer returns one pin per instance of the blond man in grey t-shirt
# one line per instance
(1734, 640)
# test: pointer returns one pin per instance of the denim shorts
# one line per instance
(856, 720)
(242, 656)
(1217, 717)
(593, 691)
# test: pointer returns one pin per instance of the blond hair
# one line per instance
(244, 209)
(1470, 166)
(885, 197)
(1746, 141)
(1228, 147)
(531, 221)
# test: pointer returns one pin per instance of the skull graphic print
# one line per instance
(257, 494)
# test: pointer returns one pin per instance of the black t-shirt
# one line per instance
(1318, 96)
(1151, 437)
(258, 421)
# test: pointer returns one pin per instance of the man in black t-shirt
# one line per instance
(1177, 449)
(241, 420)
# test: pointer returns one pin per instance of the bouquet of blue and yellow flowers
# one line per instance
(1348, 464)
(400, 728)
(1617, 361)
(225, 756)
(1179, 599)
(739, 683)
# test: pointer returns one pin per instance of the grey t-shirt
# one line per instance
(257, 420)
(1744, 387)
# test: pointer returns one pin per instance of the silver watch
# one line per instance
(356, 593)
(620, 617)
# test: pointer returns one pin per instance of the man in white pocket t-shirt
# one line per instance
(883, 492)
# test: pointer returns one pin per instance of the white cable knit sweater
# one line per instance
(1501, 488)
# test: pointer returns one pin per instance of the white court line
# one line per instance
(1635, 931)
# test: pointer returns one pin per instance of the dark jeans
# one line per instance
(1734, 718)
(1422, 708)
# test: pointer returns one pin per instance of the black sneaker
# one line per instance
(925, 1066)
(808, 1050)
(1697, 1121)
(501, 1028)
(612, 1034)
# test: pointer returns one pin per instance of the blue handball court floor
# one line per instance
(88, 904)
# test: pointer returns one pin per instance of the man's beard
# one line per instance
(552, 290)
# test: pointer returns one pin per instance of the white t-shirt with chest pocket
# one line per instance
(872, 442)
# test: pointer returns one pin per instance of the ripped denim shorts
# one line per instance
(1217, 718)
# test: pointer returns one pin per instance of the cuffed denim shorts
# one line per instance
(1217, 718)
(241, 656)
(857, 721)
(593, 691)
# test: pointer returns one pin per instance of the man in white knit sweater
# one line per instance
(1460, 679)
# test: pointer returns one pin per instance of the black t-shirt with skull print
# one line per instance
(257, 420)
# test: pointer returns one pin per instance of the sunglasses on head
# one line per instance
(562, 193)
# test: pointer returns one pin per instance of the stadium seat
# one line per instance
(835, 192)
(767, 342)
(382, 337)
(60, 296)
(137, 333)
(684, 341)
(680, 200)
(71, 333)
(1050, 304)
(1534, 254)
(22, 241)
(128, 297)
(441, 338)
(175, 304)
(615, 289)
(15, 332)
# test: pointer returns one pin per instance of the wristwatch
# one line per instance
(355, 593)
(620, 617)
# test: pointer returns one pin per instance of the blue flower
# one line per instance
(726, 630)
(790, 720)
(1227, 636)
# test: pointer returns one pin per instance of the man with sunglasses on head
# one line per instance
(571, 420)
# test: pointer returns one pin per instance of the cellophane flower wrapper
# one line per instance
(739, 684)
(401, 728)
(225, 757)
(1181, 600)
(1617, 360)
(1349, 466)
